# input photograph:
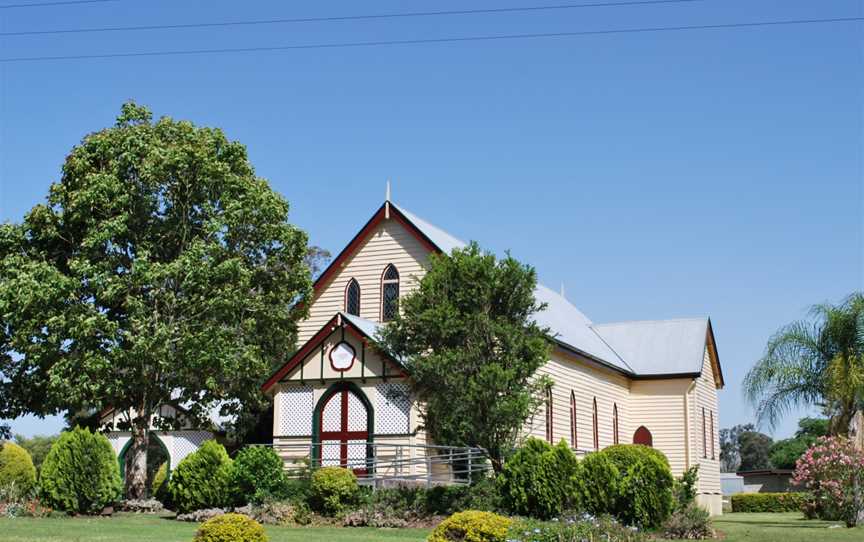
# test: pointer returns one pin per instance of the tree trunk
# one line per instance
(136, 462)
(856, 433)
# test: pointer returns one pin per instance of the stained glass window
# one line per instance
(352, 298)
(389, 293)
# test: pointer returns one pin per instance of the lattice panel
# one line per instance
(187, 442)
(331, 416)
(392, 409)
(330, 453)
(356, 414)
(357, 454)
(297, 404)
(118, 440)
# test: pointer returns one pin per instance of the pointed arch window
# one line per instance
(549, 420)
(704, 437)
(574, 438)
(713, 455)
(596, 429)
(352, 297)
(615, 423)
(389, 293)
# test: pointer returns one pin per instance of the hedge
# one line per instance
(767, 502)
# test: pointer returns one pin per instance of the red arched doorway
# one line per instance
(643, 436)
(342, 427)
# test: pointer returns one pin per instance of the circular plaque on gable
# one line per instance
(342, 356)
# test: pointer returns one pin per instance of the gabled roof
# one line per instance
(659, 347)
(636, 349)
(363, 329)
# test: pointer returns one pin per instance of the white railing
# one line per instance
(381, 463)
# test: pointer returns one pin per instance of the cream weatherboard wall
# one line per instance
(660, 406)
(703, 398)
(389, 243)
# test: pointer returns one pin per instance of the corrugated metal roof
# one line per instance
(651, 348)
(658, 347)
(368, 327)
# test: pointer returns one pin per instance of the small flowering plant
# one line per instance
(832, 470)
(576, 528)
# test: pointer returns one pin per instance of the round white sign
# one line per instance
(342, 356)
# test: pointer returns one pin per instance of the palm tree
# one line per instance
(816, 362)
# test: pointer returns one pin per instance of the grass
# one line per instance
(131, 528)
(140, 528)
(790, 527)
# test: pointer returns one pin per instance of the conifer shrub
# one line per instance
(80, 474)
(17, 473)
(471, 526)
(629, 481)
(257, 475)
(538, 480)
(230, 528)
(332, 489)
(159, 485)
(201, 480)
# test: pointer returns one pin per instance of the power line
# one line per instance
(58, 3)
(337, 18)
(432, 40)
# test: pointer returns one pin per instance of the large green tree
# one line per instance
(160, 269)
(469, 339)
(816, 362)
(785, 453)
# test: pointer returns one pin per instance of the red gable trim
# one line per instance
(364, 234)
(316, 341)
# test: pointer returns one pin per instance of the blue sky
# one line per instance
(656, 175)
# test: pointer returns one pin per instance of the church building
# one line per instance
(342, 401)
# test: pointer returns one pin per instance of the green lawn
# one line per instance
(128, 528)
(131, 528)
(790, 527)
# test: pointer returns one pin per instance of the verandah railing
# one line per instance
(381, 463)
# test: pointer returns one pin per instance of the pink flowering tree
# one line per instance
(832, 470)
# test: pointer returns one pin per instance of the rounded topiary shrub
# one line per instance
(231, 528)
(597, 484)
(80, 473)
(538, 480)
(645, 494)
(201, 479)
(332, 489)
(471, 526)
(17, 473)
(257, 475)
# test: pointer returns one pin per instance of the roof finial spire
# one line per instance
(562, 289)
(387, 197)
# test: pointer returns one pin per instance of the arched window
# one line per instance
(352, 298)
(549, 422)
(574, 438)
(643, 436)
(596, 430)
(713, 455)
(615, 423)
(704, 440)
(389, 293)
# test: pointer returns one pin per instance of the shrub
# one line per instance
(833, 471)
(17, 473)
(597, 484)
(645, 495)
(684, 488)
(767, 502)
(80, 474)
(201, 479)
(332, 488)
(471, 526)
(231, 528)
(691, 522)
(275, 513)
(538, 480)
(198, 516)
(257, 475)
(141, 506)
(581, 529)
